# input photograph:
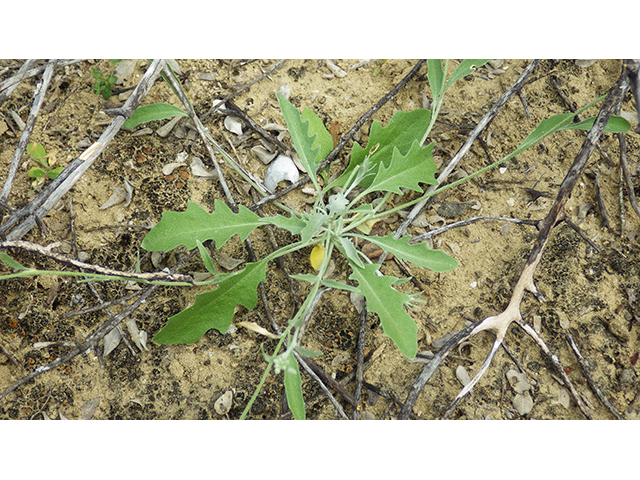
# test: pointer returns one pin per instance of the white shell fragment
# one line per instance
(198, 170)
(274, 127)
(119, 195)
(89, 409)
(560, 397)
(282, 168)
(358, 301)
(585, 63)
(223, 403)
(219, 107)
(124, 71)
(181, 159)
(165, 130)
(523, 403)
(264, 155)
(233, 124)
(518, 381)
(111, 341)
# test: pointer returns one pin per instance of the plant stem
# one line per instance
(262, 380)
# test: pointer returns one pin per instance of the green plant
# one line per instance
(393, 162)
(104, 81)
(39, 155)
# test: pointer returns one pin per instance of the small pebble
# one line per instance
(523, 403)
(463, 376)
(223, 403)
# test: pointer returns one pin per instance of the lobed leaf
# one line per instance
(186, 228)
(418, 254)
(214, 309)
(406, 171)
(293, 223)
(310, 138)
(389, 304)
(403, 129)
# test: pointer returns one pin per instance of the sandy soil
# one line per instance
(593, 292)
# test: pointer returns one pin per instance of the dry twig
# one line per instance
(499, 324)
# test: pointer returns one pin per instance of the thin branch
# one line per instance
(259, 78)
(47, 252)
(8, 86)
(499, 324)
(26, 217)
(38, 99)
(586, 370)
(627, 177)
(484, 122)
(432, 233)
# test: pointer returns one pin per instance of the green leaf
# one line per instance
(150, 113)
(349, 251)
(293, 223)
(324, 140)
(305, 277)
(36, 151)
(293, 388)
(389, 304)
(313, 225)
(435, 75)
(309, 136)
(11, 262)
(308, 353)
(53, 174)
(214, 309)
(206, 258)
(615, 124)
(36, 172)
(564, 121)
(418, 254)
(403, 129)
(185, 228)
(328, 282)
(406, 171)
(465, 68)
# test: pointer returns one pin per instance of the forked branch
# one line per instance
(499, 324)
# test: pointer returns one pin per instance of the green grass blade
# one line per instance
(435, 75)
(206, 258)
(150, 113)
(615, 124)
(11, 262)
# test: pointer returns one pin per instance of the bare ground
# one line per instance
(592, 292)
